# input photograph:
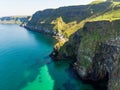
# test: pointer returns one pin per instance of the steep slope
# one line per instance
(96, 50)
(71, 16)
(107, 14)
(89, 34)
(95, 47)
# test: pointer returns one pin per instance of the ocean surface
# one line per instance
(25, 63)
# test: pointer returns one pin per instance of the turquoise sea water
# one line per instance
(25, 63)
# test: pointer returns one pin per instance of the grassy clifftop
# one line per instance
(96, 50)
(95, 44)
(67, 20)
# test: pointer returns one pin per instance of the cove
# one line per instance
(25, 63)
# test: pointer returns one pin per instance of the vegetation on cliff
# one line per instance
(95, 46)
(66, 20)
(105, 15)
(87, 33)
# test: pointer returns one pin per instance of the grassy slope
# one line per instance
(107, 20)
(73, 17)
(90, 41)
(68, 20)
(110, 13)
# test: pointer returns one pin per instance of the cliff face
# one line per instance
(96, 49)
(68, 18)
(89, 34)
(106, 62)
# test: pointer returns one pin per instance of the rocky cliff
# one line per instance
(89, 34)
(96, 50)
(64, 20)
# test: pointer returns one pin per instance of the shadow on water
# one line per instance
(65, 78)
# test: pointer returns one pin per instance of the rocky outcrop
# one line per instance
(96, 50)
(105, 64)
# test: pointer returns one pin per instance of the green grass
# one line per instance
(97, 2)
(111, 15)
(84, 61)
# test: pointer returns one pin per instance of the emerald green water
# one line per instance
(25, 63)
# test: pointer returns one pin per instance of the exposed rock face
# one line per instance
(114, 74)
(40, 28)
(96, 49)
(105, 61)
(114, 79)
